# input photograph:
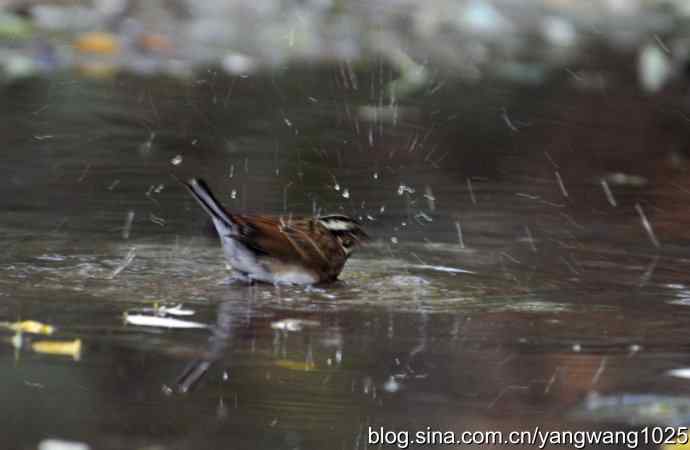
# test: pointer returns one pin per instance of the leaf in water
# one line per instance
(62, 348)
(59, 444)
(683, 372)
(29, 326)
(164, 322)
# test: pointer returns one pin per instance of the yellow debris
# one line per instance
(64, 348)
(295, 365)
(29, 326)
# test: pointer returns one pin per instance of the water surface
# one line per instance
(530, 248)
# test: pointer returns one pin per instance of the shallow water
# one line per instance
(554, 290)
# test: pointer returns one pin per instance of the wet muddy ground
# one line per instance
(529, 265)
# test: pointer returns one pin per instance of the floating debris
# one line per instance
(127, 261)
(294, 324)
(144, 320)
(61, 348)
(59, 444)
(177, 160)
(683, 372)
(29, 326)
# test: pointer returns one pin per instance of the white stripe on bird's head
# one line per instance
(338, 223)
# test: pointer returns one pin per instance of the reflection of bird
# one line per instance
(217, 344)
(282, 250)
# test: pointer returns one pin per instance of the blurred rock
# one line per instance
(471, 39)
(97, 42)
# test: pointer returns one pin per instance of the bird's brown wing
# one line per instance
(289, 239)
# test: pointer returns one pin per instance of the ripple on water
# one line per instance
(197, 273)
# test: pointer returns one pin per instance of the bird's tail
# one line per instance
(221, 218)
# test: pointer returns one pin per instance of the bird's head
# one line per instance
(347, 230)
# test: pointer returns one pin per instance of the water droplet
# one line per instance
(177, 160)
(346, 193)
(404, 189)
(391, 385)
